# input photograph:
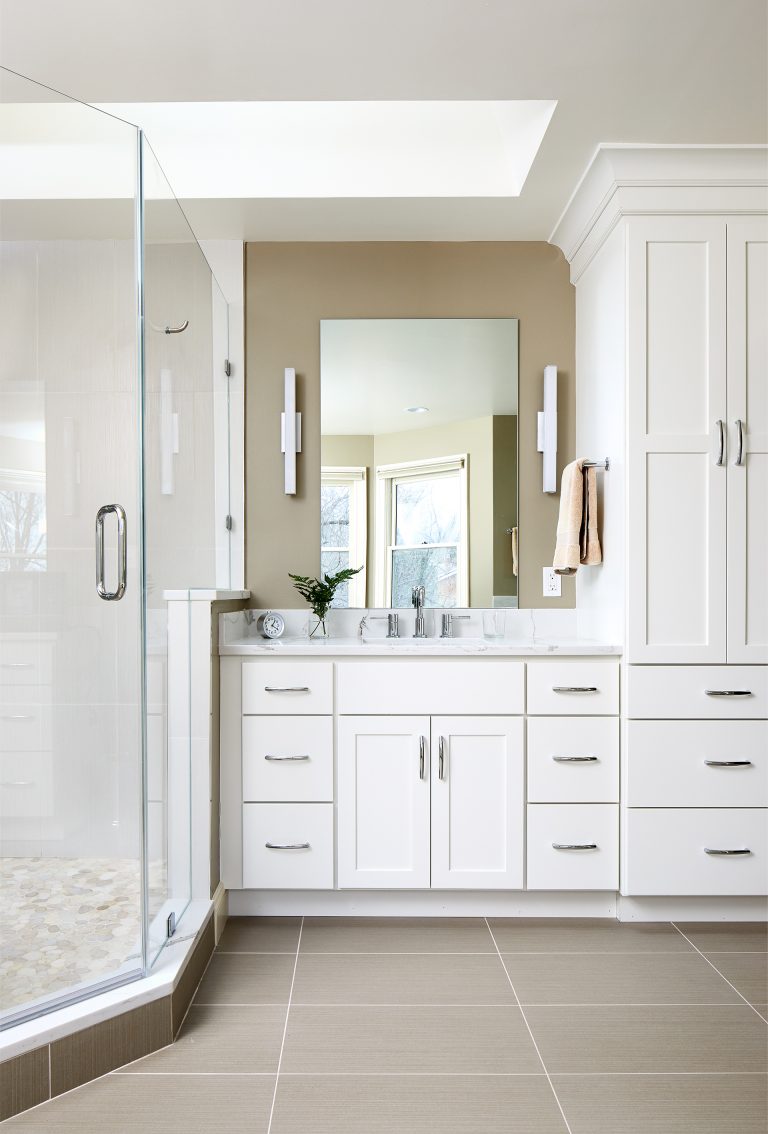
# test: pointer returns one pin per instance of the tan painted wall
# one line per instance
(291, 287)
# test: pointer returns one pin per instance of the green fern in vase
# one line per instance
(319, 593)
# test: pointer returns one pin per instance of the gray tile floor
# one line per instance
(454, 1026)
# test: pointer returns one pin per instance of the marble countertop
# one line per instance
(425, 647)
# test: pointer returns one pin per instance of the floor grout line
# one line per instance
(425, 1074)
(483, 1004)
(721, 975)
(530, 1032)
(285, 1028)
(484, 953)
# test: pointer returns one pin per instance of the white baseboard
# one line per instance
(420, 903)
(220, 911)
(692, 909)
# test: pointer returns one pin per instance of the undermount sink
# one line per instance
(422, 643)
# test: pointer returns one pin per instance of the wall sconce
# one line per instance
(546, 421)
(290, 431)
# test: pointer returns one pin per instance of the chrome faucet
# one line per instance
(448, 621)
(417, 598)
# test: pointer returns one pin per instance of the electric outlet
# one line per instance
(551, 586)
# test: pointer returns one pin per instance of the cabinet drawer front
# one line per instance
(664, 851)
(300, 854)
(697, 764)
(287, 758)
(25, 662)
(287, 687)
(445, 686)
(573, 760)
(573, 846)
(573, 688)
(24, 726)
(711, 692)
(26, 785)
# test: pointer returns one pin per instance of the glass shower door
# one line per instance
(71, 799)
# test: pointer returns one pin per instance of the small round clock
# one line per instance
(270, 624)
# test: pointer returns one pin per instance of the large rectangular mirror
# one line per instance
(419, 479)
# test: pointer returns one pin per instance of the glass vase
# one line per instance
(318, 631)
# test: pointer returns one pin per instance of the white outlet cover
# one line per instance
(551, 584)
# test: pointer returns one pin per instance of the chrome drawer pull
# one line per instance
(17, 665)
(574, 689)
(575, 759)
(441, 751)
(575, 846)
(721, 450)
(277, 758)
(715, 850)
(17, 783)
(286, 689)
(18, 717)
(728, 692)
(740, 455)
(422, 756)
(728, 763)
(287, 846)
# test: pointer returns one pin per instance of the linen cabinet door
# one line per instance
(383, 802)
(748, 422)
(477, 803)
(677, 439)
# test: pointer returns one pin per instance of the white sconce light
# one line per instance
(290, 431)
(546, 442)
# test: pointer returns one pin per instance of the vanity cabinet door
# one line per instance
(677, 468)
(748, 464)
(477, 803)
(383, 802)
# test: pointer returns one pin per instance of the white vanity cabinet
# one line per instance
(430, 802)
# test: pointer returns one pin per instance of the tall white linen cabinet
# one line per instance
(668, 250)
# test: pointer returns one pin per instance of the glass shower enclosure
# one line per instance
(113, 499)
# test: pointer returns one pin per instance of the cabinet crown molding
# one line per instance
(627, 180)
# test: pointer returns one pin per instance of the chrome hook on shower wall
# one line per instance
(170, 330)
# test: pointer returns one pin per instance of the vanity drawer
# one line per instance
(553, 833)
(303, 687)
(26, 662)
(26, 785)
(301, 857)
(573, 688)
(446, 686)
(697, 764)
(288, 758)
(665, 851)
(680, 691)
(25, 726)
(573, 760)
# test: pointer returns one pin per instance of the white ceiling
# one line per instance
(372, 370)
(656, 71)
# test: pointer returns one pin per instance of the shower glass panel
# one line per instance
(186, 501)
(70, 659)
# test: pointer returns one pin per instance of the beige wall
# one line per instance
(290, 287)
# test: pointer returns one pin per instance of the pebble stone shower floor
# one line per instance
(454, 1026)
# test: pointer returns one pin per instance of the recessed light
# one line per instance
(417, 409)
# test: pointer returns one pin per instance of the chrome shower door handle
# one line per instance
(122, 552)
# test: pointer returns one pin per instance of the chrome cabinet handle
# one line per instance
(441, 761)
(575, 759)
(721, 450)
(17, 717)
(17, 665)
(728, 692)
(575, 846)
(17, 783)
(279, 758)
(122, 552)
(422, 756)
(287, 846)
(728, 763)
(717, 851)
(286, 689)
(574, 689)
(740, 450)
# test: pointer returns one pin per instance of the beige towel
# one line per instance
(577, 538)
